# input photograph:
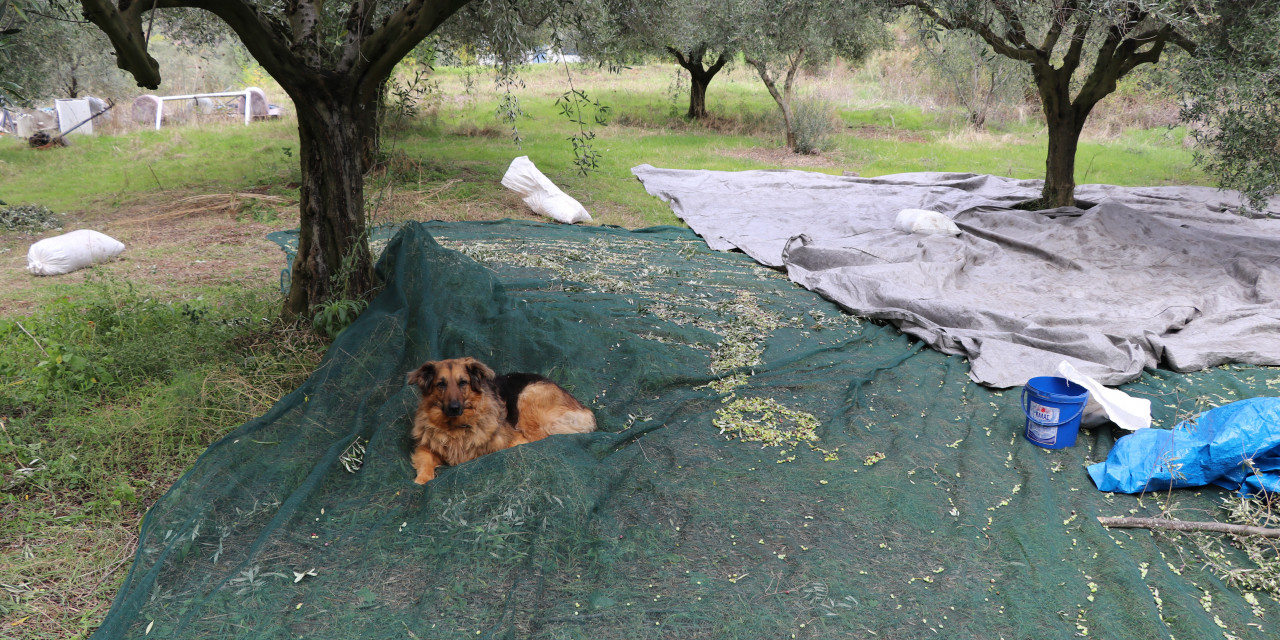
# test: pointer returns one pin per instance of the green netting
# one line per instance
(894, 499)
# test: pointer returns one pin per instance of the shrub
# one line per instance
(813, 122)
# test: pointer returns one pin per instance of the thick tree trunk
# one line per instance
(697, 96)
(333, 258)
(699, 77)
(1060, 163)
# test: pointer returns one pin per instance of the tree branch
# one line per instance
(389, 43)
(722, 60)
(1000, 45)
(1076, 49)
(1057, 22)
(1184, 525)
(1017, 34)
(680, 59)
(124, 28)
(266, 39)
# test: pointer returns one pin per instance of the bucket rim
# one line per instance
(1082, 396)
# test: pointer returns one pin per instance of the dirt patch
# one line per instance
(180, 242)
(781, 157)
(170, 245)
(878, 132)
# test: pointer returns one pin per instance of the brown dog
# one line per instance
(466, 411)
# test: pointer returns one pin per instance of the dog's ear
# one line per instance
(422, 376)
(479, 373)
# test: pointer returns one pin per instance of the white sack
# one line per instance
(70, 251)
(1125, 410)
(925, 222)
(543, 196)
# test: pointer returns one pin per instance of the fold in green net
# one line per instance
(767, 467)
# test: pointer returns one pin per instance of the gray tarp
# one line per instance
(1156, 276)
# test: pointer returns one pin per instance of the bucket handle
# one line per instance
(1026, 410)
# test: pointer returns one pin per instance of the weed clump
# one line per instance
(29, 217)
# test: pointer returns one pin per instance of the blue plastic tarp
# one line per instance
(1236, 446)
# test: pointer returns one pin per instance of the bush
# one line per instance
(813, 122)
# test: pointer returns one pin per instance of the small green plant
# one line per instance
(259, 211)
(332, 317)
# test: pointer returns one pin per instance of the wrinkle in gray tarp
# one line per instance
(1150, 277)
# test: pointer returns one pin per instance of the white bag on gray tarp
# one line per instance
(71, 251)
(924, 222)
(542, 195)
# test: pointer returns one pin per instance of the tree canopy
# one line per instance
(1231, 91)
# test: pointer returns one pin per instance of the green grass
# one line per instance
(114, 169)
(148, 377)
(108, 396)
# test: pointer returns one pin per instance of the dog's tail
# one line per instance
(572, 421)
(545, 409)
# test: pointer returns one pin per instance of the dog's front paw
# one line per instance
(424, 478)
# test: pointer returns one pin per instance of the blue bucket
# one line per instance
(1053, 406)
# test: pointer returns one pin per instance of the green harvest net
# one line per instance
(767, 467)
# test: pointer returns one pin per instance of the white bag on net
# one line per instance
(925, 222)
(1128, 412)
(70, 251)
(542, 195)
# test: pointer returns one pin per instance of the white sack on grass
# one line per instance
(70, 251)
(925, 222)
(542, 195)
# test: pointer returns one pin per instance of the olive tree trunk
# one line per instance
(334, 135)
(700, 76)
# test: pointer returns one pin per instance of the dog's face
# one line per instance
(453, 386)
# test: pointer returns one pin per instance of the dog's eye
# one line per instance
(441, 384)
(463, 381)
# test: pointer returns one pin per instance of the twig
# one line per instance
(33, 339)
(1185, 525)
(153, 176)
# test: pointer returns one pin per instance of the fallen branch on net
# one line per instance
(1183, 525)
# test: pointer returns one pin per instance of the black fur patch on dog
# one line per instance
(509, 387)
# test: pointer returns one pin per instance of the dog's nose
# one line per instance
(453, 409)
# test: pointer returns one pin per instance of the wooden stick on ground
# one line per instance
(1184, 525)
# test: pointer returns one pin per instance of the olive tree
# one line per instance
(697, 35)
(333, 59)
(1077, 50)
(779, 37)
